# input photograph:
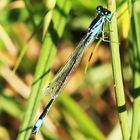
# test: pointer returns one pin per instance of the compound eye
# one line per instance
(107, 13)
(99, 8)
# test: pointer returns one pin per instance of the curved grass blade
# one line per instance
(47, 54)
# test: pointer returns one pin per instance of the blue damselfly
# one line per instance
(61, 78)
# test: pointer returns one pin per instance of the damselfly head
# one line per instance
(104, 11)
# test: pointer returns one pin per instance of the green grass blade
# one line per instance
(86, 125)
(135, 57)
(47, 54)
(117, 73)
(23, 51)
(48, 19)
(29, 8)
(13, 106)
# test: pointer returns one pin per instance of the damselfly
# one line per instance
(61, 78)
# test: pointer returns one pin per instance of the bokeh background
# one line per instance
(36, 38)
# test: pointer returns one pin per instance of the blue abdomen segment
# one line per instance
(42, 117)
(37, 125)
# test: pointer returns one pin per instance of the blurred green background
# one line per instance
(36, 38)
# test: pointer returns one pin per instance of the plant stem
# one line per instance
(135, 57)
(117, 73)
